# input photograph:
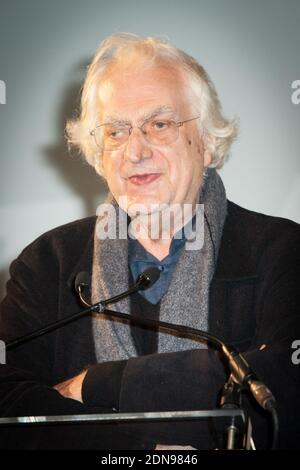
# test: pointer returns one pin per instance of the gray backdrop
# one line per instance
(250, 49)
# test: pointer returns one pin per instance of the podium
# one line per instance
(232, 426)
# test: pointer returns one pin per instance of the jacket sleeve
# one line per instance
(26, 379)
(30, 303)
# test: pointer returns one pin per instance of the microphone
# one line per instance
(147, 278)
(243, 374)
(144, 281)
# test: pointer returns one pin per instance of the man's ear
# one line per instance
(209, 149)
(207, 158)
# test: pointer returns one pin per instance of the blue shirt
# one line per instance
(140, 259)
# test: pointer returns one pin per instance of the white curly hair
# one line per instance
(121, 48)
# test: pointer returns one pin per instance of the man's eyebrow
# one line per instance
(145, 117)
(116, 120)
(157, 111)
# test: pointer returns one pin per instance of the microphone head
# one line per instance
(147, 278)
(82, 279)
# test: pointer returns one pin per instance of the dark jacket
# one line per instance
(254, 304)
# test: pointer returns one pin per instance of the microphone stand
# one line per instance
(100, 308)
(231, 398)
(241, 372)
(144, 281)
(242, 377)
(51, 327)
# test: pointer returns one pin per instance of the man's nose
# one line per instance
(137, 148)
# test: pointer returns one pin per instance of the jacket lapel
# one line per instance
(233, 286)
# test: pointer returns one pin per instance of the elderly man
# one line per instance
(151, 124)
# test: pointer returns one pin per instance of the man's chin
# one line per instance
(141, 205)
(144, 208)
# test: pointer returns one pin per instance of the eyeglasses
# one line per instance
(156, 131)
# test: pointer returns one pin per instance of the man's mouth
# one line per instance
(145, 178)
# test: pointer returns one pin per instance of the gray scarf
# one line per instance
(187, 300)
